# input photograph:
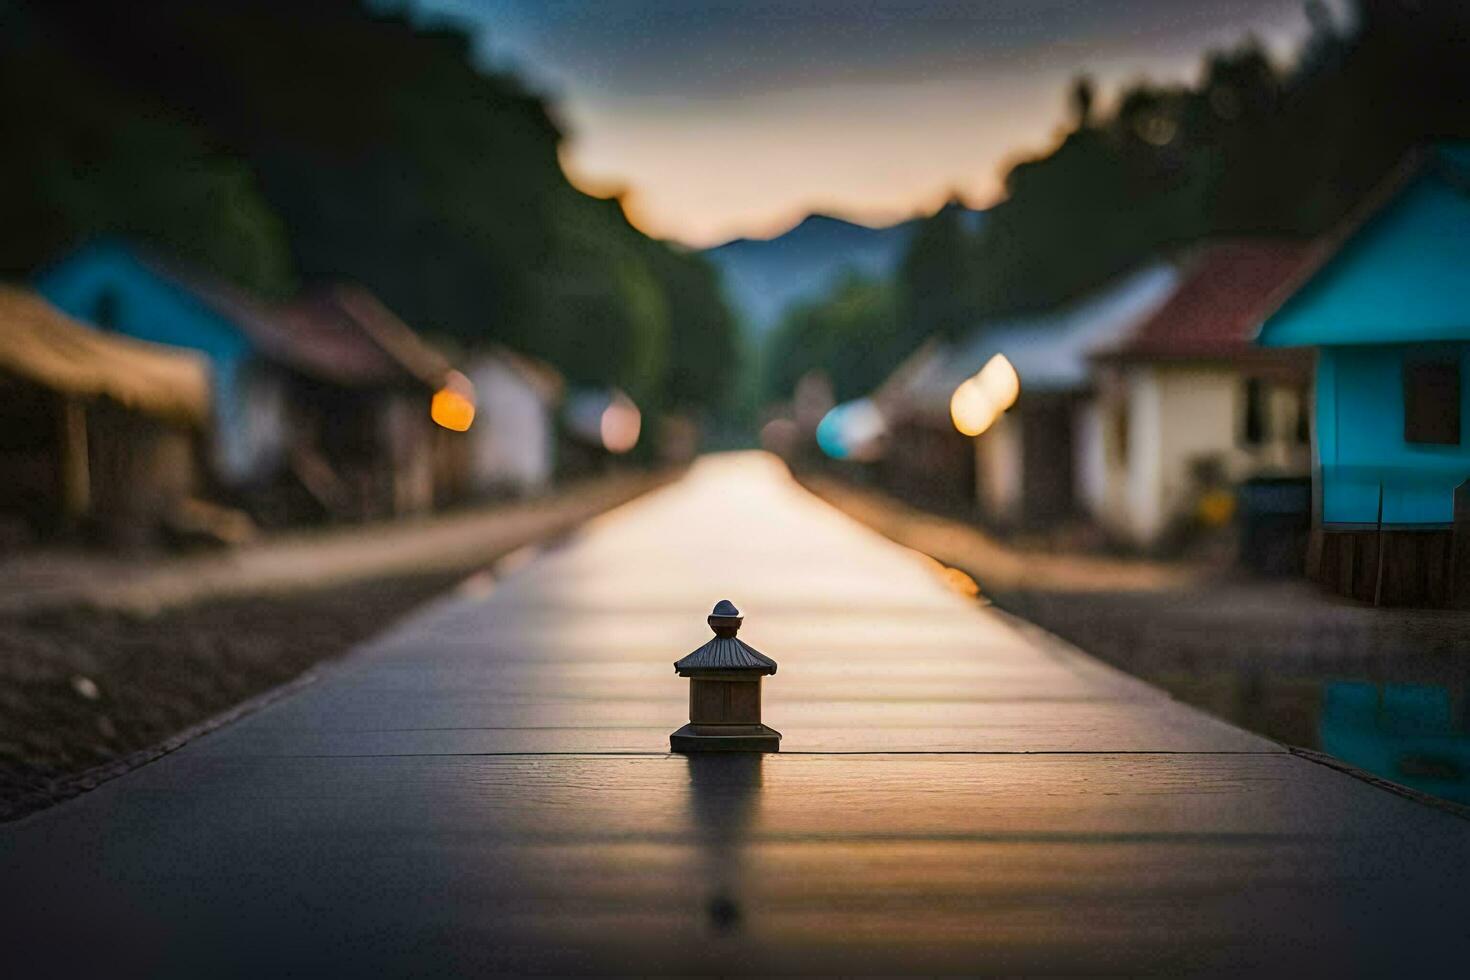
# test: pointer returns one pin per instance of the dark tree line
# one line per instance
(1249, 149)
(279, 142)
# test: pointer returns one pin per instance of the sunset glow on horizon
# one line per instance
(716, 119)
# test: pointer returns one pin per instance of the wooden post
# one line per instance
(76, 478)
(1378, 578)
(978, 503)
(1460, 549)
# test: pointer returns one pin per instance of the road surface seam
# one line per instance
(1398, 789)
(596, 754)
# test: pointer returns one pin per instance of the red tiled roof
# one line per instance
(1227, 288)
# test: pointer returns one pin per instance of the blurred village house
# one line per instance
(1155, 408)
(320, 406)
(366, 440)
(1144, 408)
(1386, 306)
(1188, 408)
(511, 449)
(1033, 465)
(98, 430)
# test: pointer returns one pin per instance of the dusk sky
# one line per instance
(722, 118)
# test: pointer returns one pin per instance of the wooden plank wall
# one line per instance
(1417, 565)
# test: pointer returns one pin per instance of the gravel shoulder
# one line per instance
(1254, 651)
(123, 656)
(1141, 613)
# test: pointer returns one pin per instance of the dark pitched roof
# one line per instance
(340, 334)
(726, 653)
(267, 332)
(1226, 289)
(544, 379)
(366, 341)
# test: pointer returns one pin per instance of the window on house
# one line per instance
(1432, 401)
(1253, 427)
(1119, 421)
(106, 311)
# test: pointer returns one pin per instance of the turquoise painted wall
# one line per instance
(1401, 277)
(1360, 439)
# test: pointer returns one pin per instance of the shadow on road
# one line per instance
(724, 794)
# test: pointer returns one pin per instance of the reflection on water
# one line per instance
(724, 790)
(1414, 734)
(1406, 719)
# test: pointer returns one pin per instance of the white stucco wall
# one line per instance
(1177, 415)
(1144, 462)
(1201, 417)
(248, 442)
(1091, 449)
(998, 469)
(1099, 452)
(511, 441)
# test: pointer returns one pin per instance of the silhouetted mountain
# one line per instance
(764, 277)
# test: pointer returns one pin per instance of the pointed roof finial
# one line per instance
(724, 652)
(726, 619)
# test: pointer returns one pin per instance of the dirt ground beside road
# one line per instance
(99, 671)
(82, 687)
(1254, 651)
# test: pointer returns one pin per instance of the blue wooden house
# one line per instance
(1387, 305)
(118, 287)
(327, 397)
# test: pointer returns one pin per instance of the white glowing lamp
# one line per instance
(1001, 382)
(980, 400)
(620, 424)
(970, 408)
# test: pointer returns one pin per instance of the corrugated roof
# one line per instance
(1049, 351)
(39, 342)
(726, 653)
(1225, 289)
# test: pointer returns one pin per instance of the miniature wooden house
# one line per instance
(725, 692)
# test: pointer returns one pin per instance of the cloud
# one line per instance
(723, 116)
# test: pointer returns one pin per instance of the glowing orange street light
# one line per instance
(453, 406)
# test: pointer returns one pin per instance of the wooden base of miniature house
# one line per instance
(1417, 567)
(725, 738)
(725, 716)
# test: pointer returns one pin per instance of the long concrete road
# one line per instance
(488, 788)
